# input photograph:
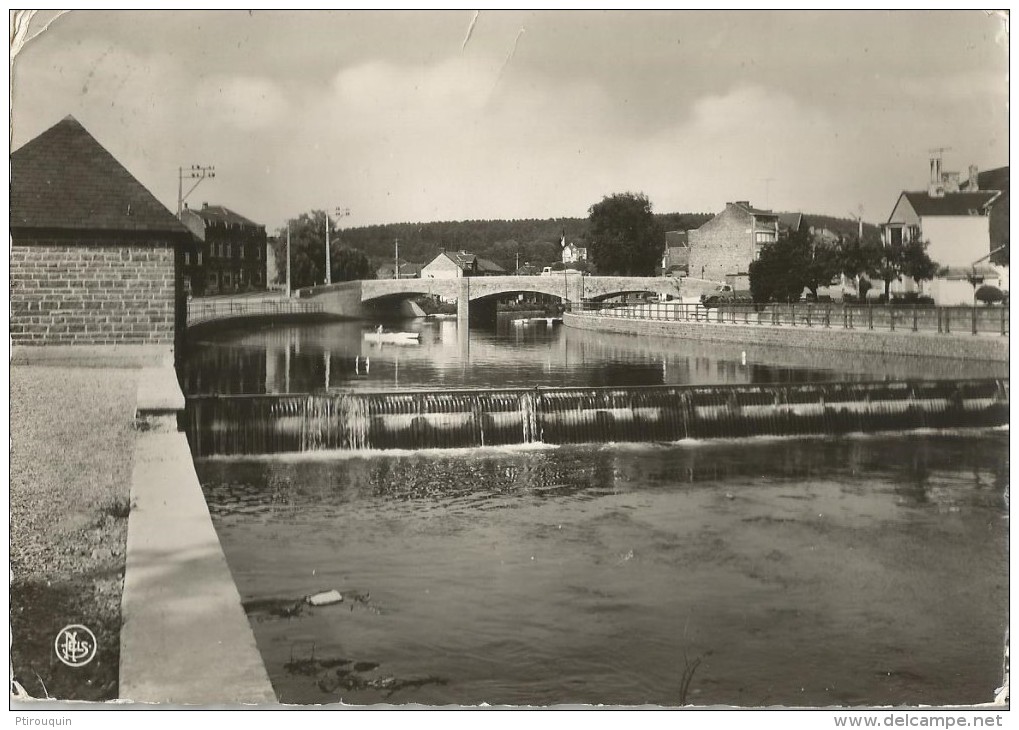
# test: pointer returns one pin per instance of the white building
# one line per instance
(457, 264)
(955, 220)
(572, 253)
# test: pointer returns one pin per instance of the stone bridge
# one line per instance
(360, 298)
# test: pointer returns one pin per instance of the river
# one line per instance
(861, 570)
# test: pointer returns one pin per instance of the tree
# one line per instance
(916, 264)
(858, 258)
(307, 253)
(895, 260)
(989, 294)
(349, 264)
(781, 272)
(625, 237)
(823, 262)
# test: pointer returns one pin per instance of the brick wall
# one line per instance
(971, 347)
(722, 246)
(92, 292)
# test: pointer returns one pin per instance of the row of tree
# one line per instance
(307, 253)
(622, 233)
(802, 261)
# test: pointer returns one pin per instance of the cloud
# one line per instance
(243, 102)
(450, 139)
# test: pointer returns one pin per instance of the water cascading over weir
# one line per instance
(269, 424)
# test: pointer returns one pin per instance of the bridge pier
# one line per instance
(463, 302)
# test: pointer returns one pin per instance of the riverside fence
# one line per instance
(211, 310)
(893, 318)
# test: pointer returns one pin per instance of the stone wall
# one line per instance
(92, 292)
(963, 346)
(723, 246)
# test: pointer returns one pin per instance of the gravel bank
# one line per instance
(72, 441)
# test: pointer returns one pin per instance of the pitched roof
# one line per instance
(491, 266)
(65, 179)
(221, 214)
(950, 203)
(996, 179)
(745, 205)
(677, 238)
(790, 221)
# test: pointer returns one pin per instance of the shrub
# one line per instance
(989, 295)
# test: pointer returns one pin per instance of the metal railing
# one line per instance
(200, 310)
(893, 318)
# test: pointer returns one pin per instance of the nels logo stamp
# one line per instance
(75, 645)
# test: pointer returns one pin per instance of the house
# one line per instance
(676, 258)
(790, 223)
(96, 262)
(408, 270)
(572, 253)
(457, 264)
(954, 219)
(723, 248)
(229, 253)
(528, 269)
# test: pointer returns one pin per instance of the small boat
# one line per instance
(396, 338)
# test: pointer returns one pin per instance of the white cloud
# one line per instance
(243, 102)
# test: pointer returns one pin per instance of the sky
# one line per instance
(413, 116)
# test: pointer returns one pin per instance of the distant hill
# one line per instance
(846, 227)
(536, 241)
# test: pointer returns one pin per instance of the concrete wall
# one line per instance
(977, 347)
(92, 292)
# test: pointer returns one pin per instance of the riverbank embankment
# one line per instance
(110, 531)
(991, 347)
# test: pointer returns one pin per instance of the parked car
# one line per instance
(726, 294)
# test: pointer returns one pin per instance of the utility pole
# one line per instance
(396, 260)
(340, 213)
(288, 259)
(196, 173)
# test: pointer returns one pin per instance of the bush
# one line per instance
(989, 295)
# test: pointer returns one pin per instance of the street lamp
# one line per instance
(196, 173)
(339, 213)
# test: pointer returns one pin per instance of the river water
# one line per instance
(867, 570)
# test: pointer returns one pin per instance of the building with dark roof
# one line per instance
(96, 260)
(408, 270)
(955, 220)
(229, 251)
(457, 264)
(724, 247)
(676, 257)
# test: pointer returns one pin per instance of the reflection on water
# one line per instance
(342, 355)
(804, 572)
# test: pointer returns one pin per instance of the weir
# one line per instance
(270, 424)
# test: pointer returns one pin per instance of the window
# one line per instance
(895, 236)
(764, 237)
(187, 258)
(226, 279)
(241, 247)
(199, 258)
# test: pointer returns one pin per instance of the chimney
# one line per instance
(936, 188)
(204, 205)
(974, 184)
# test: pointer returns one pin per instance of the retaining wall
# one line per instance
(970, 347)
